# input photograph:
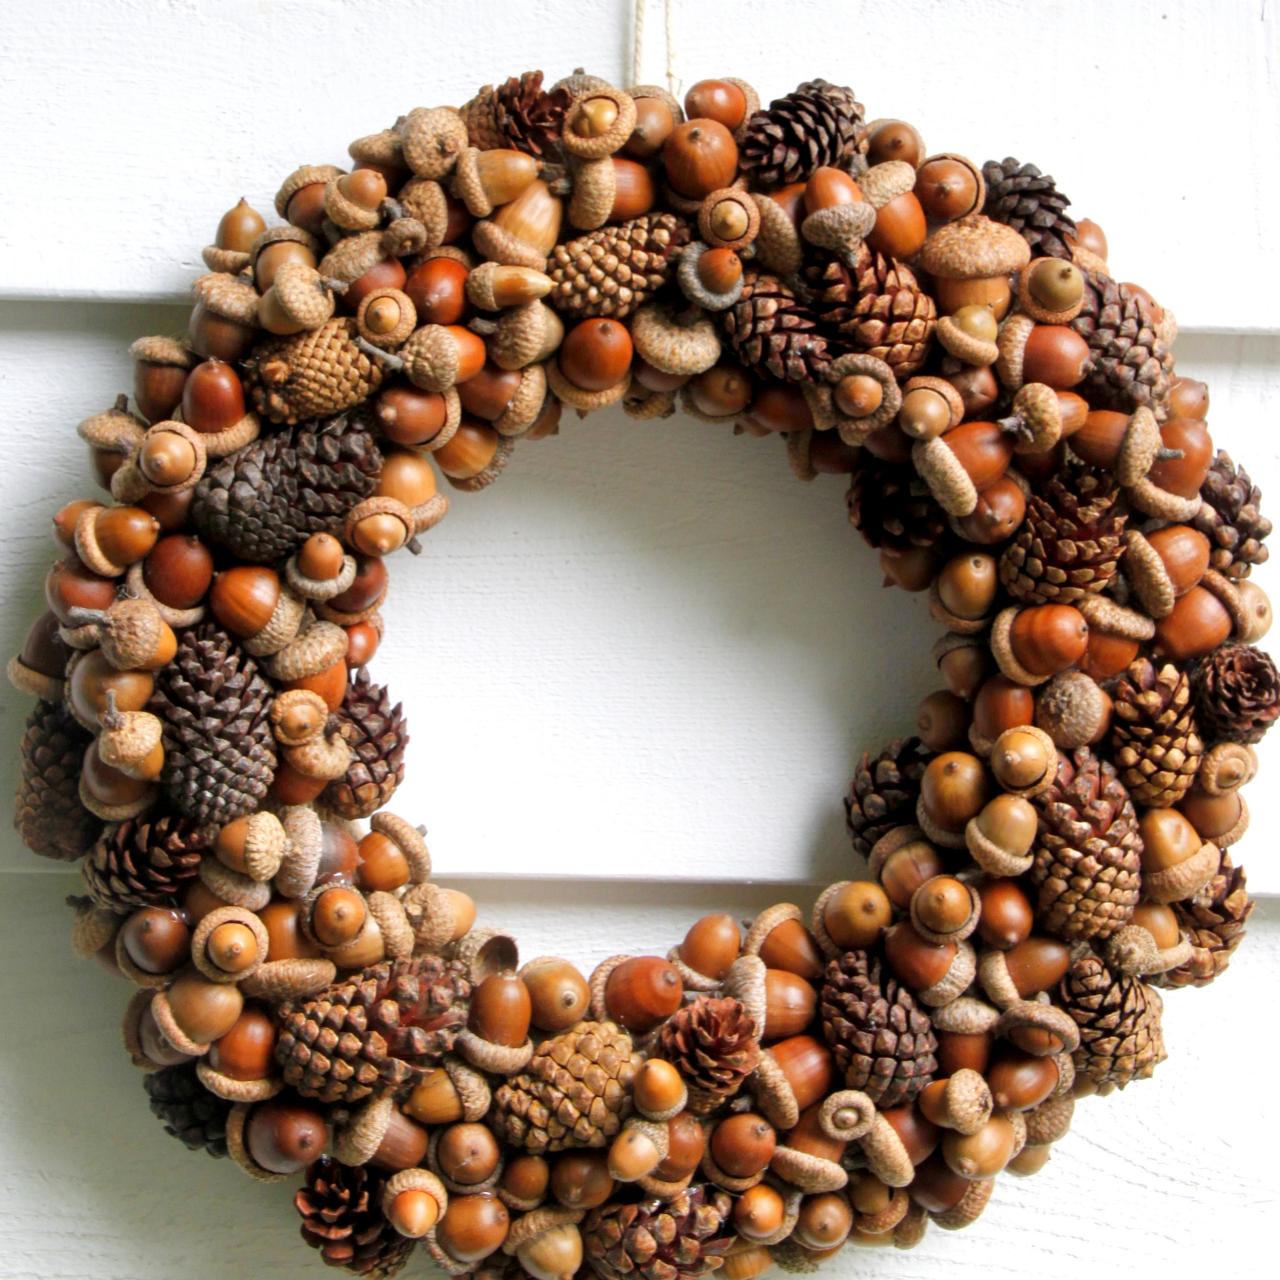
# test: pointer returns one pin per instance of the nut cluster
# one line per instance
(1047, 852)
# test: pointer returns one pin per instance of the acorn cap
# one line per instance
(728, 195)
(954, 622)
(129, 632)
(137, 587)
(431, 139)
(381, 148)
(1072, 709)
(854, 431)
(127, 737)
(1049, 1121)
(818, 923)
(885, 1153)
(305, 845)
(527, 1228)
(956, 980)
(356, 1141)
(313, 650)
(525, 407)
(773, 1093)
(413, 1180)
(281, 980)
(199, 443)
(745, 982)
(410, 840)
(966, 1016)
(1229, 597)
(316, 588)
(1045, 780)
(995, 980)
(304, 175)
(233, 1090)
(239, 1152)
(1186, 879)
(691, 285)
(228, 296)
(232, 887)
(352, 256)
(840, 227)
(1002, 648)
(424, 200)
(93, 928)
(1138, 448)
(1132, 950)
(765, 923)
(778, 245)
(595, 186)
(117, 812)
(431, 916)
(1037, 418)
(339, 618)
(968, 1101)
(964, 346)
(280, 629)
(1147, 575)
(124, 962)
(1040, 1015)
(302, 294)
(993, 859)
(974, 248)
(1011, 345)
(585, 401)
(887, 181)
(162, 1013)
(808, 1173)
(524, 335)
(498, 244)
(231, 261)
(404, 236)
(495, 1059)
(1106, 616)
(887, 1219)
(393, 923)
(712, 1172)
(162, 350)
(595, 146)
(115, 430)
(674, 348)
(948, 481)
(936, 833)
(894, 839)
(468, 186)
(325, 757)
(1226, 767)
(345, 213)
(968, 1209)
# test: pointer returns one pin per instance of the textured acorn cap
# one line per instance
(525, 334)
(728, 195)
(93, 928)
(1229, 597)
(1051, 1120)
(712, 1172)
(994, 978)
(483, 281)
(409, 839)
(1226, 767)
(313, 650)
(854, 431)
(954, 622)
(527, 1228)
(948, 481)
(1132, 950)
(281, 980)
(325, 757)
(381, 148)
(1002, 649)
(232, 261)
(766, 922)
(578, 398)
(967, 1016)
(966, 348)
(345, 213)
(809, 1173)
(431, 915)
(303, 176)
(1011, 345)
(1040, 1015)
(595, 185)
(233, 1090)
(1106, 616)
(492, 1058)
(413, 1180)
(160, 349)
(968, 1101)
(974, 248)
(773, 1093)
(778, 245)
(691, 285)
(1042, 314)
(1138, 448)
(114, 430)
(525, 407)
(424, 200)
(302, 855)
(1186, 879)
(956, 980)
(1147, 575)
(302, 294)
(232, 887)
(162, 1013)
(431, 139)
(286, 618)
(498, 244)
(33, 683)
(990, 856)
(887, 181)
(840, 228)
(1037, 419)
(352, 256)
(969, 1207)
(117, 812)
(1046, 744)
(604, 144)
(885, 1153)
(681, 350)
(228, 296)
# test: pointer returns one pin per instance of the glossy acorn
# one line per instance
(558, 993)
(642, 992)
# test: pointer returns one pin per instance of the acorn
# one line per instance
(824, 1221)
(448, 1093)
(948, 187)
(558, 993)
(472, 1227)
(658, 1090)
(742, 1144)
(336, 915)
(437, 357)
(194, 1011)
(936, 971)
(1036, 964)
(111, 793)
(957, 466)
(1255, 611)
(759, 1212)
(160, 371)
(778, 936)
(172, 457)
(525, 1182)
(1176, 862)
(778, 406)
(156, 940)
(285, 1137)
(944, 909)
(1024, 760)
(903, 860)
(438, 290)
(1197, 624)
(857, 914)
(962, 663)
(92, 684)
(547, 1243)
(409, 416)
(1222, 818)
(131, 742)
(466, 1153)
(656, 116)
(501, 1010)
(638, 1150)
(900, 228)
(710, 947)
(982, 1154)
(789, 1005)
(486, 179)
(246, 1053)
(961, 1101)
(596, 354)
(794, 1074)
(953, 789)
(524, 231)
(640, 992)
(581, 1179)
(699, 157)
(1054, 355)
(1036, 642)
(967, 585)
(178, 571)
(473, 449)
(1020, 1081)
(70, 585)
(838, 215)
(1187, 454)
(1007, 916)
(912, 570)
(1000, 509)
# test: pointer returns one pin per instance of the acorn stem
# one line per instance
(111, 717)
(78, 616)
(393, 361)
(1165, 454)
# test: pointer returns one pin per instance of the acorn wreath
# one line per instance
(1045, 856)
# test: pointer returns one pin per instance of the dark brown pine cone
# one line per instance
(1029, 201)
(876, 308)
(816, 125)
(892, 507)
(1237, 693)
(1155, 745)
(613, 271)
(1215, 921)
(678, 1239)
(375, 1030)
(1069, 544)
(1119, 1020)
(882, 1039)
(378, 734)
(219, 753)
(189, 1112)
(145, 861)
(1131, 364)
(264, 501)
(1229, 517)
(527, 117)
(47, 811)
(342, 1216)
(1087, 856)
(574, 1092)
(771, 331)
(714, 1045)
(884, 790)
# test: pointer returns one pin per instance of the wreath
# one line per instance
(1045, 855)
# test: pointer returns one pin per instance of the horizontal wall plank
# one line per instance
(1154, 1181)
(161, 116)
(647, 652)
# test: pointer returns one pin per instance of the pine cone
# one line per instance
(1237, 693)
(1230, 519)
(528, 118)
(884, 790)
(219, 755)
(1119, 1020)
(378, 1029)
(145, 861)
(342, 1217)
(265, 501)
(1155, 746)
(774, 333)
(189, 1112)
(714, 1045)
(312, 374)
(876, 308)
(882, 1039)
(1088, 850)
(1069, 544)
(816, 125)
(892, 507)
(48, 814)
(1215, 921)
(677, 1239)
(613, 271)
(1029, 201)
(378, 734)
(1130, 364)
(482, 127)
(575, 1092)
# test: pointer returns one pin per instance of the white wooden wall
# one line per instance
(647, 653)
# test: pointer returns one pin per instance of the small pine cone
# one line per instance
(1237, 693)
(682, 1238)
(1229, 517)
(1119, 1021)
(313, 374)
(816, 125)
(482, 127)
(1215, 921)
(612, 271)
(1087, 856)
(875, 308)
(47, 811)
(1022, 197)
(773, 332)
(1155, 745)
(575, 1091)
(263, 502)
(341, 1210)
(714, 1045)
(377, 734)
(145, 861)
(219, 753)
(377, 1029)
(882, 1039)
(1130, 364)
(527, 117)
(189, 1112)
(892, 507)
(883, 792)
(1069, 544)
